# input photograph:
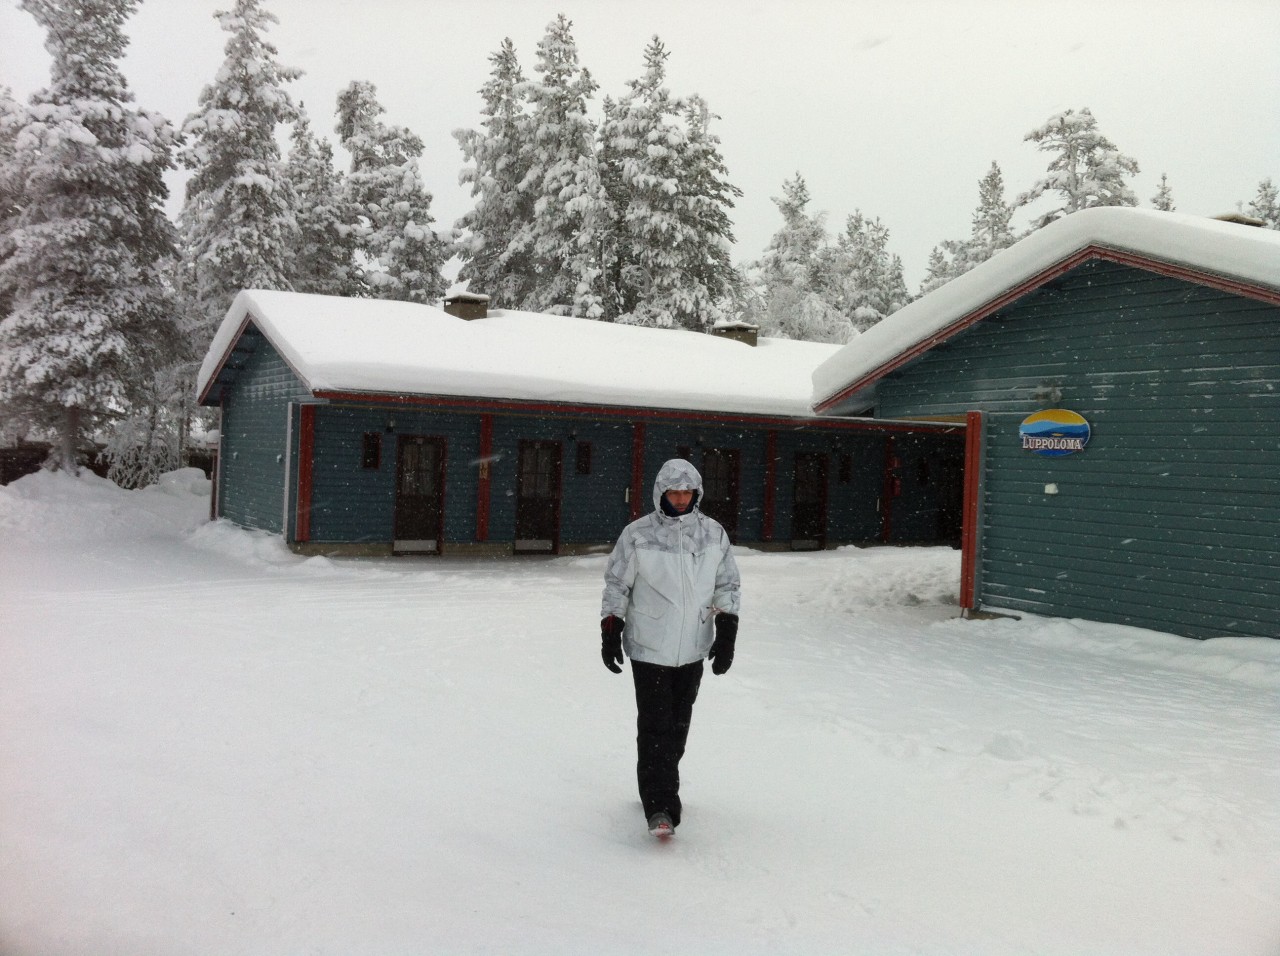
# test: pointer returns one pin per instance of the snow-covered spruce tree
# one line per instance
(10, 123)
(860, 277)
(789, 276)
(400, 254)
(322, 259)
(558, 140)
(991, 232)
(992, 221)
(84, 252)
(613, 278)
(1266, 204)
(666, 260)
(937, 272)
(237, 224)
(1086, 170)
(493, 261)
(715, 286)
(1163, 199)
(642, 143)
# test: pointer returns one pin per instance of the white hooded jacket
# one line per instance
(668, 577)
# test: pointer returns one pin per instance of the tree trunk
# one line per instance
(70, 438)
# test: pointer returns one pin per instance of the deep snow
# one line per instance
(210, 745)
(393, 348)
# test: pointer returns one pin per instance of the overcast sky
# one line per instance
(895, 108)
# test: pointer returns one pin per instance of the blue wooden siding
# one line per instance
(1168, 519)
(593, 507)
(853, 508)
(665, 440)
(354, 504)
(251, 483)
(926, 500)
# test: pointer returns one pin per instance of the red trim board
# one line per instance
(485, 483)
(306, 470)
(637, 470)
(972, 500)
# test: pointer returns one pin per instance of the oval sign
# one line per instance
(1054, 432)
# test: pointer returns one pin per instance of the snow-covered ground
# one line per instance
(211, 746)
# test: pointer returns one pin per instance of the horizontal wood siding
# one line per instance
(1168, 519)
(663, 440)
(854, 512)
(930, 485)
(351, 503)
(354, 504)
(853, 507)
(254, 425)
(593, 507)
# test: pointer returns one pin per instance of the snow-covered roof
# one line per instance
(400, 348)
(1241, 255)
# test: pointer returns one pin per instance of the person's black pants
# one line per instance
(664, 708)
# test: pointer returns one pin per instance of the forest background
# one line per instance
(611, 203)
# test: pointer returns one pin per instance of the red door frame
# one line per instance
(522, 445)
(484, 483)
(825, 497)
(637, 470)
(442, 488)
(306, 471)
(770, 484)
(891, 488)
(972, 499)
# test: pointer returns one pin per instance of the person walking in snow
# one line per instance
(671, 599)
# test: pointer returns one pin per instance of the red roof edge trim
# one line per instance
(1210, 279)
(231, 347)
(621, 411)
(1134, 260)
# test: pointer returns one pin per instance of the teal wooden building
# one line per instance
(1119, 374)
(374, 427)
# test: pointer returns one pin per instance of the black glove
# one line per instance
(721, 656)
(611, 642)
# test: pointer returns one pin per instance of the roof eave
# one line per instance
(867, 382)
(205, 397)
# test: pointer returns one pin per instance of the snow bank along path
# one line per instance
(209, 745)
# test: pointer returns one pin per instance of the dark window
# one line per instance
(584, 458)
(371, 454)
(539, 470)
(720, 472)
(846, 469)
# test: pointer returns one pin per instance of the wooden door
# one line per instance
(809, 508)
(538, 498)
(419, 510)
(720, 487)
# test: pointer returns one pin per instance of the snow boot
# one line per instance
(660, 825)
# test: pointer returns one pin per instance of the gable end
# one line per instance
(859, 390)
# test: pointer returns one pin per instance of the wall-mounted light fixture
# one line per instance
(1048, 393)
(391, 423)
